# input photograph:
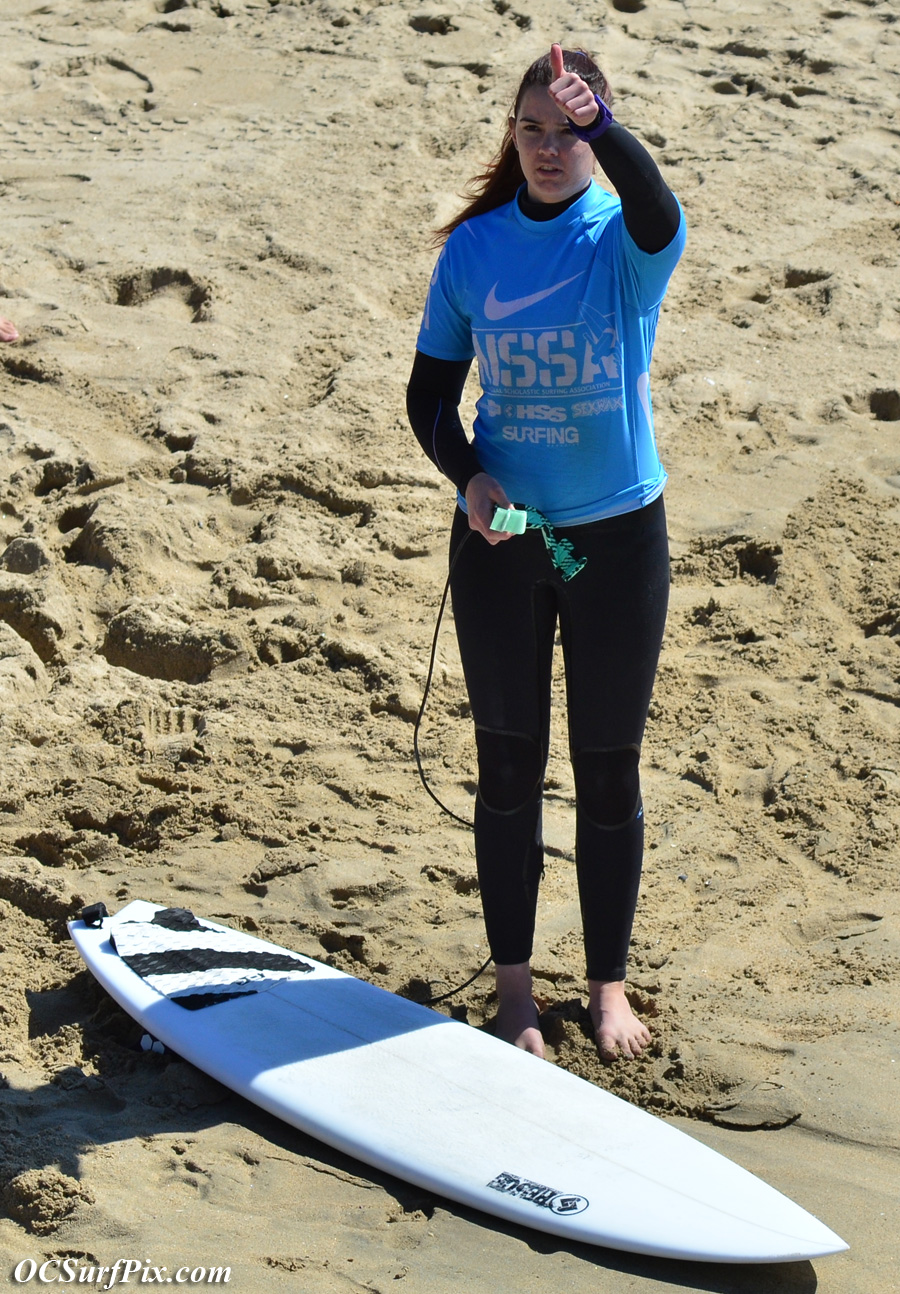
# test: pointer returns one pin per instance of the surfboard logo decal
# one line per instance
(545, 1197)
(196, 965)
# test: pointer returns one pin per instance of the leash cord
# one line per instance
(442, 997)
(568, 564)
(432, 1001)
(428, 678)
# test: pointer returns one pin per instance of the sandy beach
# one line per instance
(221, 558)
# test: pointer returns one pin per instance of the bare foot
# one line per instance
(8, 331)
(517, 1013)
(617, 1029)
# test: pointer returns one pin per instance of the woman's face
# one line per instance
(555, 163)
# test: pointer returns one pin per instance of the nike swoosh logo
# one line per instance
(495, 309)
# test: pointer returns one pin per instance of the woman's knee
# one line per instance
(510, 769)
(608, 784)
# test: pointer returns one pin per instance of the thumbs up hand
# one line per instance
(569, 92)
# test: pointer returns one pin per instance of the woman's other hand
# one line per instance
(569, 92)
(483, 493)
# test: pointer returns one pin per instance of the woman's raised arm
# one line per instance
(649, 208)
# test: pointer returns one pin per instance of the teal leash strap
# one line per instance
(562, 553)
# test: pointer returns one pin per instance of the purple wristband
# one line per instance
(601, 125)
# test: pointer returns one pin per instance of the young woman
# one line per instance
(555, 287)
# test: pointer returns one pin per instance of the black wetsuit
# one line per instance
(508, 600)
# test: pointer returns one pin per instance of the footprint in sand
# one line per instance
(166, 291)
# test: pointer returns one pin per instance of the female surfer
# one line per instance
(555, 286)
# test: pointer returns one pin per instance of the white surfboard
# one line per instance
(433, 1101)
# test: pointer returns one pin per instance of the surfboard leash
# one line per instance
(442, 997)
(565, 560)
(428, 678)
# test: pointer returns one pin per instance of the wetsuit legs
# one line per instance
(507, 603)
(509, 850)
(609, 877)
(609, 847)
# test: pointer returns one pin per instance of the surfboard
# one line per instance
(434, 1101)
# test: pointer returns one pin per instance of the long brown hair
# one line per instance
(501, 179)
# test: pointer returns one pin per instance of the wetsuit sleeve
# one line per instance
(432, 404)
(649, 208)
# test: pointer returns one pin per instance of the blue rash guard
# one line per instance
(561, 315)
